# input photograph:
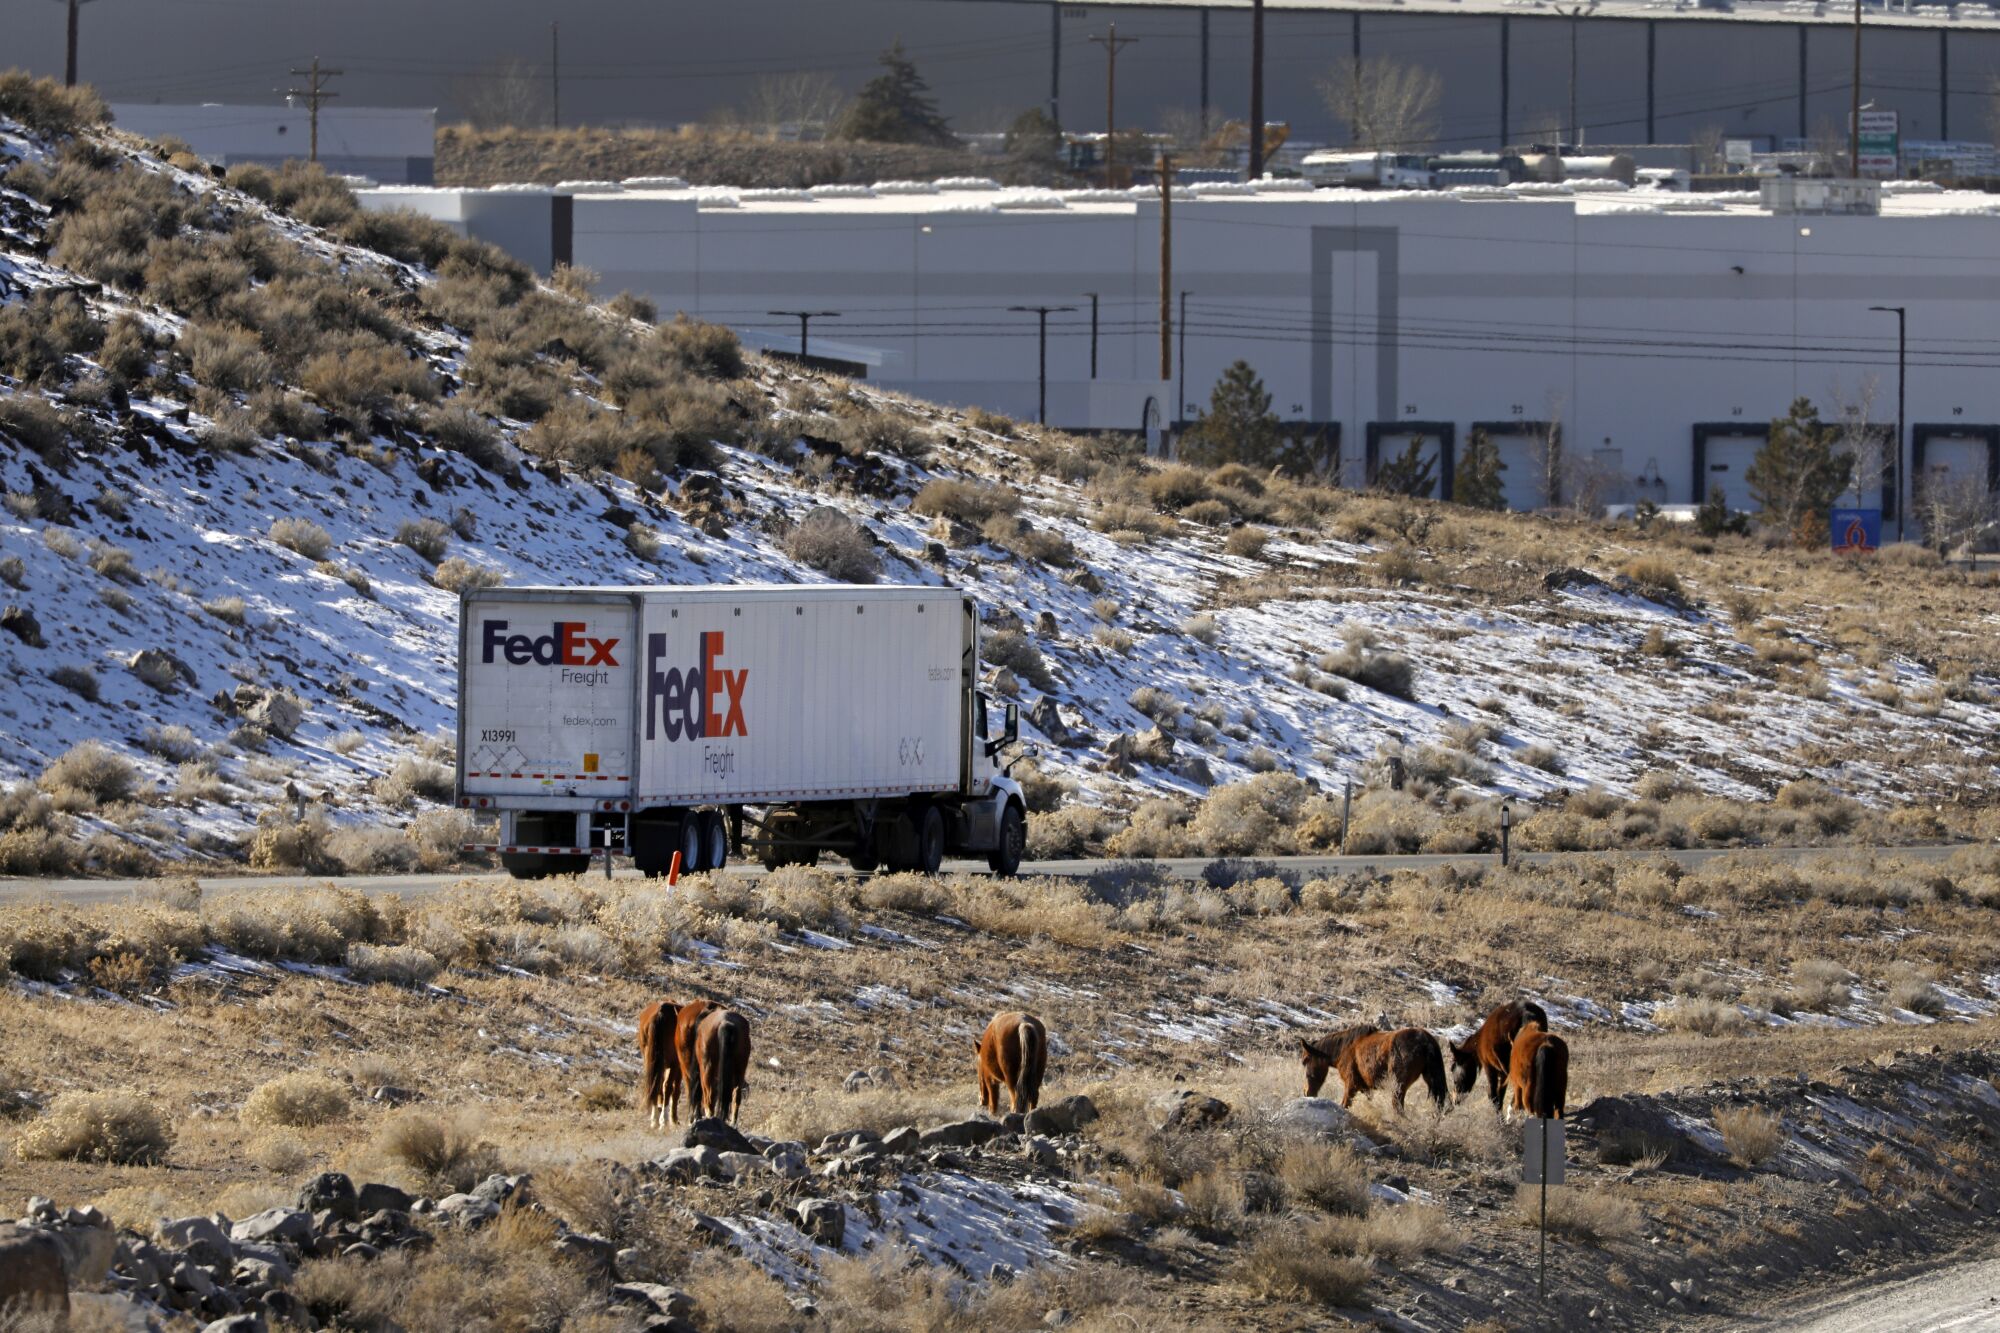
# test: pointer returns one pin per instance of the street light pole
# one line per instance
(1093, 333)
(1903, 480)
(805, 319)
(1573, 13)
(1042, 313)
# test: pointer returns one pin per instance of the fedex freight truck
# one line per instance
(780, 721)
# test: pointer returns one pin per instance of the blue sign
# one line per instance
(1855, 529)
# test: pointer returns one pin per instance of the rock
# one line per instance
(1683, 1286)
(823, 1220)
(389, 1096)
(1084, 579)
(959, 1134)
(1064, 1117)
(277, 711)
(1057, 1318)
(856, 1081)
(1042, 1152)
(21, 623)
(201, 1237)
(332, 1192)
(162, 670)
(1636, 1121)
(86, 1216)
(285, 1226)
(1000, 1274)
(374, 1198)
(1047, 720)
(596, 1252)
(789, 1165)
(669, 1301)
(191, 1277)
(1045, 625)
(238, 1323)
(904, 1139)
(260, 1273)
(1313, 1117)
(32, 1276)
(87, 1253)
(43, 1210)
(499, 1189)
(467, 1210)
(1195, 769)
(685, 1164)
(736, 1165)
(717, 1133)
(284, 1307)
(846, 1139)
(1194, 1110)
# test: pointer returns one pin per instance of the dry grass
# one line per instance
(1285, 1261)
(1751, 1134)
(119, 1127)
(1592, 1216)
(297, 1100)
(447, 1156)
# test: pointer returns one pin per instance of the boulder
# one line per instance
(1194, 1110)
(1042, 1152)
(32, 1276)
(468, 1210)
(823, 1220)
(21, 623)
(959, 1134)
(160, 669)
(277, 711)
(283, 1226)
(87, 1253)
(237, 1323)
(789, 1164)
(1195, 769)
(1042, 713)
(685, 1164)
(192, 1278)
(499, 1189)
(332, 1192)
(260, 1273)
(904, 1139)
(846, 1139)
(717, 1133)
(202, 1237)
(42, 1210)
(1064, 1117)
(660, 1299)
(1313, 1117)
(374, 1198)
(595, 1252)
(1640, 1125)
(736, 1165)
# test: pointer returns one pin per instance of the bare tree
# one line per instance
(1541, 127)
(1955, 510)
(1385, 104)
(1545, 457)
(800, 103)
(1707, 144)
(1194, 134)
(508, 93)
(1828, 147)
(1856, 434)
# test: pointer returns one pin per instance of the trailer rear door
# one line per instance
(546, 693)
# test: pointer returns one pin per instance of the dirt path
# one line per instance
(1964, 1297)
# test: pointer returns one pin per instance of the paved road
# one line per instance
(112, 890)
(1962, 1297)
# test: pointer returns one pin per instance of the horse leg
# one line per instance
(1348, 1088)
(1403, 1082)
(1493, 1091)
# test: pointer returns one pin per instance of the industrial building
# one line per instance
(1655, 334)
(394, 145)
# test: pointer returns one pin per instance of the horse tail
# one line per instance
(722, 1086)
(1433, 1069)
(1024, 1033)
(1540, 1092)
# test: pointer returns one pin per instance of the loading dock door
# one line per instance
(1387, 441)
(1523, 461)
(1723, 454)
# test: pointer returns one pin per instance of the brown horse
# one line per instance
(722, 1057)
(1366, 1059)
(685, 1070)
(1013, 1052)
(1490, 1047)
(1538, 1073)
(659, 1065)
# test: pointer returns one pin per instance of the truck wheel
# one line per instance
(567, 865)
(930, 840)
(715, 833)
(694, 843)
(525, 865)
(864, 861)
(1005, 858)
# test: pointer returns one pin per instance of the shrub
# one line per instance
(970, 502)
(94, 768)
(707, 349)
(830, 542)
(1014, 650)
(877, 430)
(1751, 1134)
(457, 575)
(396, 964)
(49, 108)
(229, 610)
(1247, 541)
(414, 777)
(112, 562)
(172, 741)
(450, 1157)
(1653, 574)
(120, 1127)
(1172, 489)
(459, 429)
(1331, 1179)
(1201, 628)
(367, 377)
(1588, 1215)
(303, 536)
(78, 680)
(1389, 673)
(226, 358)
(371, 850)
(426, 536)
(297, 1100)
(1545, 757)
(1286, 1261)
(35, 424)
(284, 843)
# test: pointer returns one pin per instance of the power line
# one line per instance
(314, 92)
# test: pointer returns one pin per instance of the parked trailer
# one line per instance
(1386, 171)
(774, 721)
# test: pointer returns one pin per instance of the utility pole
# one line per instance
(555, 76)
(1112, 44)
(805, 319)
(1854, 117)
(1167, 268)
(1256, 89)
(1182, 390)
(1042, 312)
(1903, 482)
(69, 60)
(1573, 13)
(1093, 333)
(314, 92)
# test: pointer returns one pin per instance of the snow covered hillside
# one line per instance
(244, 579)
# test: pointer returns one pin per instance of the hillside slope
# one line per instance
(249, 457)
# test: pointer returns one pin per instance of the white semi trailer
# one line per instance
(778, 721)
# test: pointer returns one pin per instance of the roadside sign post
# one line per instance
(1506, 822)
(1545, 1149)
(1346, 804)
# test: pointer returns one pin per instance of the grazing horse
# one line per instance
(722, 1057)
(685, 1070)
(1538, 1073)
(659, 1064)
(1366, 1059)
(1013, 1052)
(1491, 1047)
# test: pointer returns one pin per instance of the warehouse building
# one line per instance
(1653, 335)
(395, 145)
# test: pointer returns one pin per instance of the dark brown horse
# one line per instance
(1367, 1058)
(1491, 1047)
(722, 1057)
(659, 1066)
(1538, 1073)
(1013, 1052)
(686, 1069)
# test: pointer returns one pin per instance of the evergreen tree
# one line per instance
(896, 107)
(1034, 136)
(1715, 517)
(1476, 479)
(1239, 426)
(1798, 475)
(1411, 472)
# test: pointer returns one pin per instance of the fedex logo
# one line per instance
(696, 702)
(564, 645)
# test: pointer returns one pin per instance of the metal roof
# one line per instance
(1975, 15)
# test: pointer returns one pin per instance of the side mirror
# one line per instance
(1009, 734)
